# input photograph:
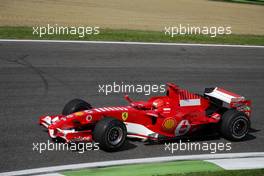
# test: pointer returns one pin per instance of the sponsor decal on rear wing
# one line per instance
(234, 100)
(224, 95)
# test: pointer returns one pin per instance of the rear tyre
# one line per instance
(75, 105)
(234, 125)
(110, 133)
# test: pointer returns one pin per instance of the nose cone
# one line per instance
(45, 121)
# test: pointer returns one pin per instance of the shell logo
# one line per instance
(169, 124)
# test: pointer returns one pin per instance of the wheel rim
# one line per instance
(115, 135)
(240, 127)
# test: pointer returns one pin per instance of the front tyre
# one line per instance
(110, 133)
(75, 105)
(234, 125)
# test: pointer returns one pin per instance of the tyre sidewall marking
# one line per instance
(231, 127)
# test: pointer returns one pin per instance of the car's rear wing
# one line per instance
(223, 95)
(234, 100)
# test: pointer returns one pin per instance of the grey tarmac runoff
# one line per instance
(38, 78)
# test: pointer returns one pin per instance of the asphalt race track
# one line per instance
(39, 78)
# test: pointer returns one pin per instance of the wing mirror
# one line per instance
(128, 99)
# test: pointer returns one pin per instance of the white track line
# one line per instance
(238, 164)
(50, 174)
(131, 43)
(132, 161)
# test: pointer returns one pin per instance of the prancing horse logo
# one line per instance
(124, 115)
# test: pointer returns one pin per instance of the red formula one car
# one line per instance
(178, 113)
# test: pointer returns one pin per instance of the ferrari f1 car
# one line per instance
(179, 113)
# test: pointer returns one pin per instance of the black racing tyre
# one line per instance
(75, 105)
(234, 125)
(110, 133)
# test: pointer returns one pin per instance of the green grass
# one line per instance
(179, 167)
(256, 2)
(257, 172)
(135, 36)
(176, 168)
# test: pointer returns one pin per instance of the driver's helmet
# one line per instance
(158, 103)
